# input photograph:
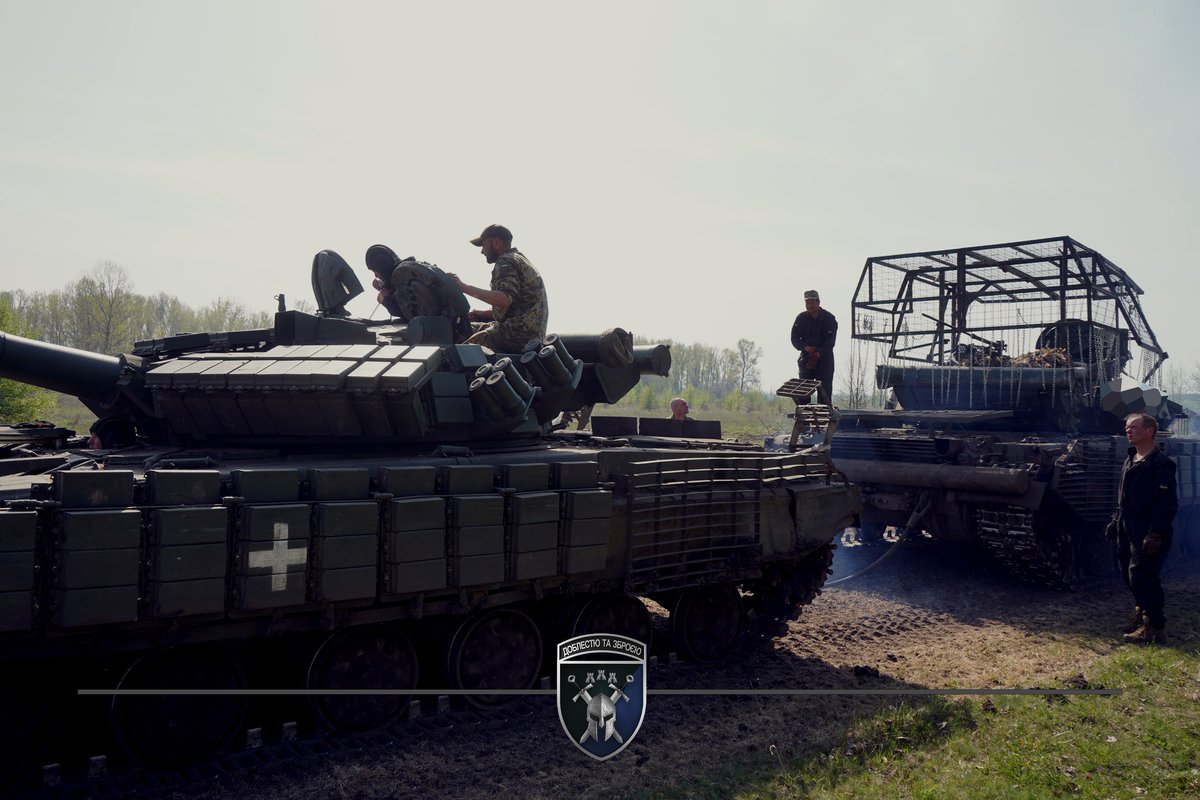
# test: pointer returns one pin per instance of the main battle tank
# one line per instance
(333, 503)
(1019, 453)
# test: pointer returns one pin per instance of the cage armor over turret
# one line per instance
(1007, 372)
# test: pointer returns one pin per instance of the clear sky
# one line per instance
(682, 169)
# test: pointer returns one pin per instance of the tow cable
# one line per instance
(922, 508)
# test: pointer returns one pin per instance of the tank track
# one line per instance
(276, 751)
(282, 749)
(783, 591)
(1011, 538)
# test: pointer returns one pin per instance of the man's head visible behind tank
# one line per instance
(108, 433)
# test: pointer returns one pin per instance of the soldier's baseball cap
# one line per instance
(497, 231)
(811, 294)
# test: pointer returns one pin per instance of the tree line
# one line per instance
(705, 375)
(102, 313)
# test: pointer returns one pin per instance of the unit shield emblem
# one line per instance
(601, 691)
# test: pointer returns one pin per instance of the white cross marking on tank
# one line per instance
(279, 557)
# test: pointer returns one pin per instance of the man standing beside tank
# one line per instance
(813, 334)
(1141, 528)
(519, 308)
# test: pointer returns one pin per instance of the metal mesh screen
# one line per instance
(1049, 303)
(697, 519)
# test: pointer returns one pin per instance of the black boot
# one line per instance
(1135, 621)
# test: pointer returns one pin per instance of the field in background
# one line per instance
(735, 424)
(70, 413)
(751, 426)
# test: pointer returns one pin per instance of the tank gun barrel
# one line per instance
(80, 373)
(652, 359)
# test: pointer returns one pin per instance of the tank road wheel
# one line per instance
(1036, 547)
(24, 734)
(1093, 554)
(1059, 546)
(1072, 552)
(706, 621)
(376, 657)
(872, 534)
(173, 730)
(1187, 534)
(788, 586)
(498, 649)
(623, 614)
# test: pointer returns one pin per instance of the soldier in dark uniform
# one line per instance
(813, 334)
(386, 296)
(519, 308)
(1142, 526)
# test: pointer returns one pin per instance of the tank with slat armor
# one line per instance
(335, 503)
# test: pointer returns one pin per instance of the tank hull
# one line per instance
(259, 554)
(1038, 507)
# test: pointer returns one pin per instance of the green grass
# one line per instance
(1143, 743)
(70, 413)
(770, 419)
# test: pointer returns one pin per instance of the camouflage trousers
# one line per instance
(502, 341)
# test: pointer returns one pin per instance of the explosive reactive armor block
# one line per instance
(345, 551)
(585, 528)
(95, 571)
(309, 390)
(476, 539)
(270, 556)
(416, 544)
(187, 570)
(533, 534)
(17, 535)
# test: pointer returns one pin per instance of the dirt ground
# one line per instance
(930, 616)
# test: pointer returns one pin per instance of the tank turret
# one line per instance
(325, 379)
(1063, 398)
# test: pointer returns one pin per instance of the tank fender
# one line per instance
(1030, 498)
(999, 480)
(797, 521)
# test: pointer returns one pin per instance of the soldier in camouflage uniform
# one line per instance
(517, 295)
